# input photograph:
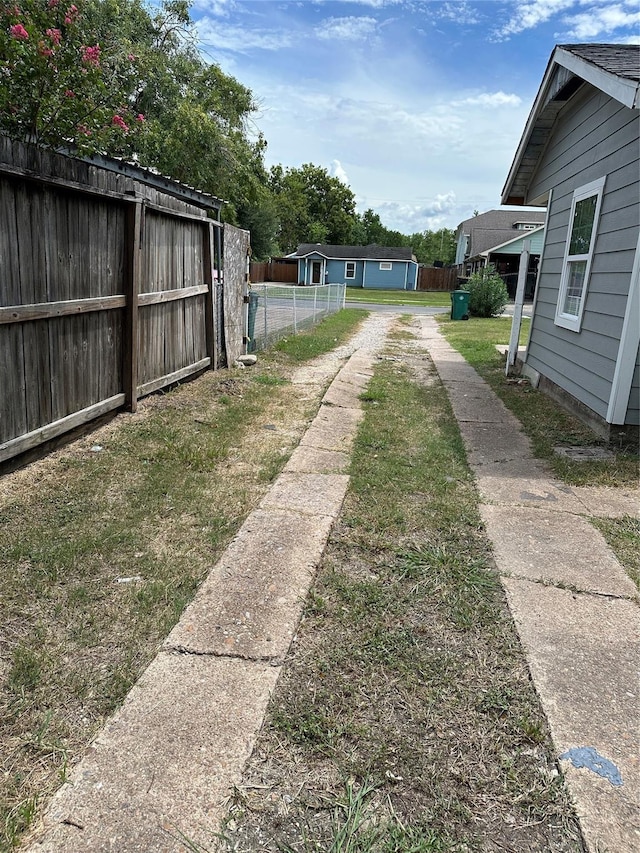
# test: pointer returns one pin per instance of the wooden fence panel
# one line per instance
(437, 278)
(109, 289)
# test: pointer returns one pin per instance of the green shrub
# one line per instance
(488, 293)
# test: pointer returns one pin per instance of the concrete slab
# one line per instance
(525, 482)
(305, 459)
(475, 404)
(345, 394)
(544, 545)
(309, 494)
(487, 444)
(583, 652)
(165, 763)
(333, 428)
(608, 502)
(250, 603)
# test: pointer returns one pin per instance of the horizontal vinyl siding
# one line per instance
(337, 271)
(594, 137)
(392, 279)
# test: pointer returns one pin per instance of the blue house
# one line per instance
(371, 267)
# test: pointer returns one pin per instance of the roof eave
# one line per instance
(627, 92)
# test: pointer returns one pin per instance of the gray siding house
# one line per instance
(580, 157)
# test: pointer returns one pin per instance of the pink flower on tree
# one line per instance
(71, 15)
(52, 4)
(55, 35)
(69, 93)
(132, 57)
(140, 117)
(84, 130)
(19, 32)
(43, 50)
(118, 121)
(91, 55)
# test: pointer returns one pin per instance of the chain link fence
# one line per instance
(276, 311)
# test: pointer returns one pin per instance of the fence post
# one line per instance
(295, 319)
(315, 302)
(133, 255)
(207, 264)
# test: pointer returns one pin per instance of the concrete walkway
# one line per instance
(575, 608)
(164, 765)
(162, 769)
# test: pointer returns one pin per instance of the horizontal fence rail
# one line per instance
(278, 311)
(109, 290)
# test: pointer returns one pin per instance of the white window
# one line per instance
(386, 265)
(527, 226)
(585, 209)
(350, 269)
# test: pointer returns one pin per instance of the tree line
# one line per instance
(118, 77)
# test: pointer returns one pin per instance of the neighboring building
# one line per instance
(486, 231)
(372, 267)
(580, 157)
(506, 259)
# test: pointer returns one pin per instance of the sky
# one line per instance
(417, 105)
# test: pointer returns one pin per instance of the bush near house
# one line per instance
(488, 293)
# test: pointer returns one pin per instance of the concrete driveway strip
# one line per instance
(159, 775)
(575, 608)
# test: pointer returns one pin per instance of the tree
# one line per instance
(312, 207)
(62, 80)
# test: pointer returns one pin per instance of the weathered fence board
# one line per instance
(107, 291)
(437, 278)
(236, 251)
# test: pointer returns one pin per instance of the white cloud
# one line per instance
(531, 14)
(347, 29)
(460, 13)
(336, 171)
(215, 8)
(602, 21)
(413, 218)
(493, 99)
(238, 39)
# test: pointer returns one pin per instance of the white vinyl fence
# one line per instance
(276, 311)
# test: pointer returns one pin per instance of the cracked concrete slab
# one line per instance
(544, 546)
(306, 459)
(309, 494)
(165, 762)
(583, 652)
(250, 603)
(608, 502)
(494, 443)
(344, 394)
(525, 482)
(473, 404)
(333, 429)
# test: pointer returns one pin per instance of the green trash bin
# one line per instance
(460, 304)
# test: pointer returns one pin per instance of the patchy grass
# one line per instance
(326, 336)
(431, 299)
(623, 537)
(544, 421)
(405, 718)
(100, 551)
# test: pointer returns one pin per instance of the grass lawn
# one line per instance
(103, 544)
(431, 299)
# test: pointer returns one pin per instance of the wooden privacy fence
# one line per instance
(277, 271)
(110, 289)
(437, 278)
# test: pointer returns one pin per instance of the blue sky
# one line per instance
(418, 105)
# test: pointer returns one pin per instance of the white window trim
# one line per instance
(386, 265)
(346, 268)
(573, 322)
